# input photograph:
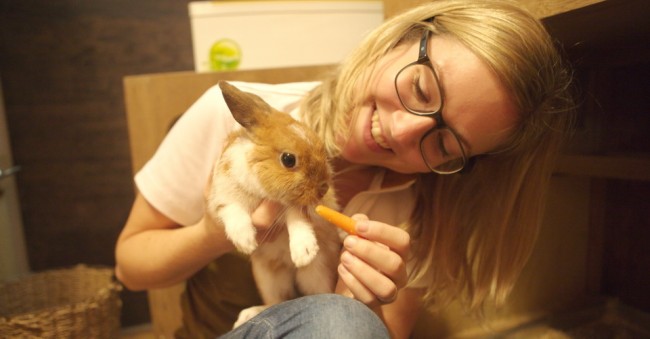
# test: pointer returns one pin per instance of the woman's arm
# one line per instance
(153, 251)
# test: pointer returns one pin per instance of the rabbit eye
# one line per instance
(288, 160)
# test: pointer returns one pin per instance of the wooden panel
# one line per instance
(596, 243)
(602, 26)
(626, 258)
(543, 9)
(614, 167)
(540, 9)
(608, 44)
(394, 7)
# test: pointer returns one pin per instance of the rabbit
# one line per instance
(276, 157)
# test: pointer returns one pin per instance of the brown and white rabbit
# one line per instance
(275, 157)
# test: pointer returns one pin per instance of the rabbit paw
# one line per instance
(244, 239)
(248, 314)
(304, 248)
(240, 230)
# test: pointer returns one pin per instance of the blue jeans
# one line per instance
(314, 316)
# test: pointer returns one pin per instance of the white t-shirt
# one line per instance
(173, 180)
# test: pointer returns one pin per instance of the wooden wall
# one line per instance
(62, 64)
(541, 9)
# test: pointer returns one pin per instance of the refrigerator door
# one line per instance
(254, 35)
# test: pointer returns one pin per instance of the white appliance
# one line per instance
(229, 35)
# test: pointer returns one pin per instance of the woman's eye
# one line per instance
(418, 91)
(441, 145)
(288, 160)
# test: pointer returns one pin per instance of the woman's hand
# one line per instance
(264, 217)
(373, 263)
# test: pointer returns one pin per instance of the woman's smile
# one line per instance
(374, 135)
(376, 131)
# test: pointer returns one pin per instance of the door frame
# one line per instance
(13, 251)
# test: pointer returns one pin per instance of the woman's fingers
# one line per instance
(378, 257)
(366, 283)
(264, 219)
(265, 214)
(356, 289)
(394, 237)
(373, 264)
(382, 246)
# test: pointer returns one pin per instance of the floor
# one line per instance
(610, 320)
(137, 332)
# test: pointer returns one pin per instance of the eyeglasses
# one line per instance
(419, 91)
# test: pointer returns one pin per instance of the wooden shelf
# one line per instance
(602, 25)
(610, 167)
(540, 9)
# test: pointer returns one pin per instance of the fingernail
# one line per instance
(346, 258)
(350, 241)
(362, 226)
(342, 270)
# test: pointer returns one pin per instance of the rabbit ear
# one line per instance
(247, 108)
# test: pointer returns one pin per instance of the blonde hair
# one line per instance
(473, 232)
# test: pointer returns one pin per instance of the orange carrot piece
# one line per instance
(342, 221)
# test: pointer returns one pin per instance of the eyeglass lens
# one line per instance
(418, 89)
(441, 144)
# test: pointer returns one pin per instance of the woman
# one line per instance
(443, 127)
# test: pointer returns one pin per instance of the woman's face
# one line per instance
(476, 106)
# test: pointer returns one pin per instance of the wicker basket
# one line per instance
(79, 302)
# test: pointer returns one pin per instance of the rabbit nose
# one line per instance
(322, 190)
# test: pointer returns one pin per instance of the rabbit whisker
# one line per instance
(275, 227)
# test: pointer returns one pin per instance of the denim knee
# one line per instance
(317, 316)
(336, 316)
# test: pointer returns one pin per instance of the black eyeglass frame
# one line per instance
(423, 59)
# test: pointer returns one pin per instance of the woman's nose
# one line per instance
(408, 127)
